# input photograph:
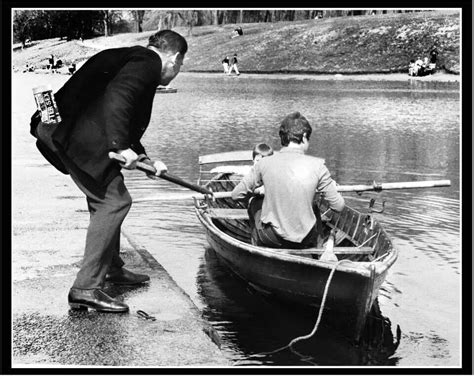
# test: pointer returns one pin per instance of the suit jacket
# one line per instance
(106, 106)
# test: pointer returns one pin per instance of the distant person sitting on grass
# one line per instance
(237, 32)
(412, 68)
(433, 57)
(419, 67)
(72, 68)
(29, 68)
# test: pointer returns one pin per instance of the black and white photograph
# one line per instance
(238, 190)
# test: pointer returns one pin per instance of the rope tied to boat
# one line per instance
(318, 320)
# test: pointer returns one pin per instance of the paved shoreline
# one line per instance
(49, 224)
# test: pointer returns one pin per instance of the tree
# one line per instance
(106, 21)
(215, 19)
(22, 25)
(109, 18)
(138, 18)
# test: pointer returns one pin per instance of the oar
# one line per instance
(340, 188)
(150, 170)
(393, 186)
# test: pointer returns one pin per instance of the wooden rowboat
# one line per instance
(364, 251)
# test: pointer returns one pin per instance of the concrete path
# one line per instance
(49, 222)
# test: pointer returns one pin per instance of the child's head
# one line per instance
(261, 150)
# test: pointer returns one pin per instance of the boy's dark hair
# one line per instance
(168, 41)
(293, 127)
(263, 149)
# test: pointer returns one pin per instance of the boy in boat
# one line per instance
(259, 151)
(286, 218)
(255, 202)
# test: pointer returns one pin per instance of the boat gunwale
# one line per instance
(359, 268)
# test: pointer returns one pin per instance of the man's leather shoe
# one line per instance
(126, 277)
(94, 299)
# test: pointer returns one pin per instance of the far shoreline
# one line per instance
(436, 77)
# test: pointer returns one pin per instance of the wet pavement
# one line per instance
(49, 222)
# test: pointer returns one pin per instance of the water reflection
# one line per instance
(253, 327)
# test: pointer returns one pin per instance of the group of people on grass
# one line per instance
(53, 65)
(106, 106)
(230, 64)
(423, 67)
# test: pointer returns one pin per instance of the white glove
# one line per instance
(259, 190)
(160, 167)
(131, 158)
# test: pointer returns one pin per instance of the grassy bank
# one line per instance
(346, 45)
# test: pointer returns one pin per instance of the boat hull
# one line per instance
(298, 281)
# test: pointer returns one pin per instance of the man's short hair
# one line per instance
(169, 42)
(293, 127)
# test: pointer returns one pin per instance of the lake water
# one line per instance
(391, 131)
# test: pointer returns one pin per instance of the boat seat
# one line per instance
(228, 213)
(241, 214)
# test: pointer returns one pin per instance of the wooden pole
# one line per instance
(150, 170)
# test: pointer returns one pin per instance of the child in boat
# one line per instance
(259, 151)
(255, 201)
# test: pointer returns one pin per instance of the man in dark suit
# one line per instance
(106, 106)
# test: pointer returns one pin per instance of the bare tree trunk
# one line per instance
(215, 20)
(106, 23)
(173, 20)
(160, 22)
(138, 15)
(267, 17)
(241, 16)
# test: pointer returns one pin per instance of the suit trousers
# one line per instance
(107, 212)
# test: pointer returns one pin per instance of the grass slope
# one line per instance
(347, 45)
